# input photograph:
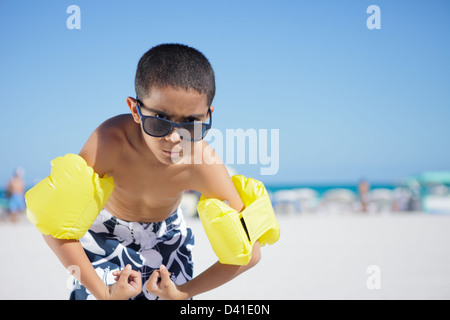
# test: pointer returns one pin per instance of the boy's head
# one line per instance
(176, 83)
(177, 66)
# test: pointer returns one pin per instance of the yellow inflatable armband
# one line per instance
(231, 233)
(67, 202)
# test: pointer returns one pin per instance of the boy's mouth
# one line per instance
(171, 152)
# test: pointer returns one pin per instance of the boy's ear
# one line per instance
(212, 109)
(131, 102)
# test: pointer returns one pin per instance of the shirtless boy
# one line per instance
(140, 231)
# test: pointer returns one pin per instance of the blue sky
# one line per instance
(348, 101)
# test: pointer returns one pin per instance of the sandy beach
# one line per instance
(317, 257)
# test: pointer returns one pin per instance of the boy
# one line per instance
(153, 161)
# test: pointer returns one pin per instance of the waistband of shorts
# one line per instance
(174, 216)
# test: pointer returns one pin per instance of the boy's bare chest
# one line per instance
(150, 185)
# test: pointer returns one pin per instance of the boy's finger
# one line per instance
(135, 279)
(135, 276)
(165, 276)
(152, 283)
(125, 273)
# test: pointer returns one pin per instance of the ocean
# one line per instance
(321, 189)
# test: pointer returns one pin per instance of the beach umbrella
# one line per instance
(430, 177)
(381, 194)
(339, 195)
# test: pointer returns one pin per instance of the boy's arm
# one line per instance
(213, 181)
(71, 253)
(213, 277)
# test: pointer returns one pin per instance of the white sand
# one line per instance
(317, 257)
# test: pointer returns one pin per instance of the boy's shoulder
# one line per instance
(116, 132)
(119, 129)
(107, 141)
(207, 164)
(205, 158)
(117, 126)
(212, 178)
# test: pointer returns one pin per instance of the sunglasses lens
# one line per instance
(193, 132)
(156, 127)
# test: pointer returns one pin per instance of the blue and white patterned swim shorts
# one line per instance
(112, 243)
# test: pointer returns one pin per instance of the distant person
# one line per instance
(15, 191)
(363, 192)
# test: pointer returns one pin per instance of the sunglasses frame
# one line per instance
(174, 125)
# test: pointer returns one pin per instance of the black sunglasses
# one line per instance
(159, 127)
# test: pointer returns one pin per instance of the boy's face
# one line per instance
(177, 105)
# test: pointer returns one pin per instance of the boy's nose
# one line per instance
(174, 136)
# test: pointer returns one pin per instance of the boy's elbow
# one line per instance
(256, 255)
(255, 260)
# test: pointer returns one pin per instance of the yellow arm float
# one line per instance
(231, 233)
(67, 202)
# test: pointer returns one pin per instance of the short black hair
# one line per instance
(175, 65)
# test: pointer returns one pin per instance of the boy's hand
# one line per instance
(129, 284)
(160, 284)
